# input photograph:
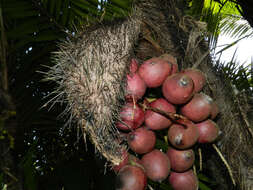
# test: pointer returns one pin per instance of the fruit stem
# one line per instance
(177, 118)
(226, 163)
(200, 159)
(126, 125)
(147, 36)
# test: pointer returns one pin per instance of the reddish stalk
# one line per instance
(177, 118)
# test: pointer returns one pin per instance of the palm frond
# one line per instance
(239, 75)
(213, 12)
(235, 27)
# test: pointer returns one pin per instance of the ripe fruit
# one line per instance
(172, 60)
(132, 116)
(131, 178)
(133, 66)
(156, 165)
(142, 140)
(183, 137)
(183, 181)
(128, 159)
(136, 87)
(208, 131)
(178, 88)
(214, 110)
(156, 121)
(124, 162)
(154, 71)
(198, 77)
(199, 108)
(180, 160)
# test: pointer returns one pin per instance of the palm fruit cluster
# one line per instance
(181, 109)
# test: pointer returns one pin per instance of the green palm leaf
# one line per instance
(235, 27)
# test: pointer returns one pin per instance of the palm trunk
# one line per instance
(8, 166)
(8, 121)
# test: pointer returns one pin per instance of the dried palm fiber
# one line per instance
(91, 69)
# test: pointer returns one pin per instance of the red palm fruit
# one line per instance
(198, 77)
(127, 159)
(199, 108)
(156, 121)
(180, 160)
(154, 71)
(141, 140)
(136, 87)
(214, 110)
(131, 178)
(183, 181)
(156, 165)
(208, 131)
(133, 66)
(178, 88)
(183, 137)
(171, 59)
(131, 115)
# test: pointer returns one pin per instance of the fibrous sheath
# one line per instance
(90, 74)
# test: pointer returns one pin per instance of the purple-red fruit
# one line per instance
(199, 108)
(136, 87)
(183, 181)
(180, 160)
(208, 131)
(198, 77)
(133, 66)
(156, 165)
(131, 115)
(131, 178)
(154, 71)
(214, 110)
(183, 137)
(156, 121)
(178, 88)
(128, 159)
(141, 140)
(125, 159)
(172, 60)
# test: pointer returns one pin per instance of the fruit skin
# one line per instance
(183, 137)
(178, 88)
(172, 60)
(156, 165)
(208, 131)
(156, 121)
(214, 110)
(136, 87)
(132, 115)
(131, 178)
(198, 77)
(141, 140)
(183, 181)
(180, 160)
(154, 71)
(125, 156)
(128, 159)
(133, 66)
(199, 108)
